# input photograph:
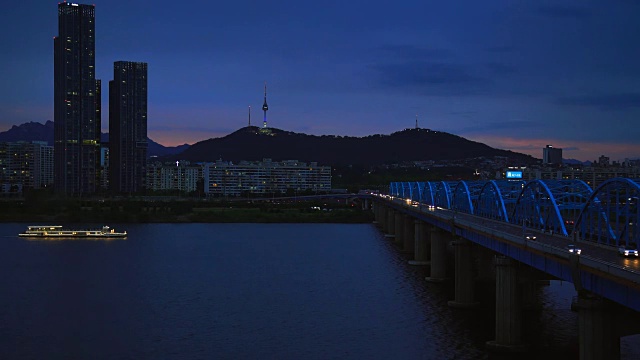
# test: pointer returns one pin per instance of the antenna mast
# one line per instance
(265, 107)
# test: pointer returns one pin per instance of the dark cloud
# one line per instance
(500, 69)
(563, 12)
(413, 53)
(463, 113)
(571, 148)
(432, 78)
(501, 49)
(499, 125)
(440, 71)
(621, 101)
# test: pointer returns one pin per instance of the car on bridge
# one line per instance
(574, 249)
(529, 236)
(627, 251)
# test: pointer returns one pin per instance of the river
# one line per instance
(247, 291)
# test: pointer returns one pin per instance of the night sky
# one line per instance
(512, 74)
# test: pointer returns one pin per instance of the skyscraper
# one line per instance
(128, 127)
(551, 155)
(76, 102)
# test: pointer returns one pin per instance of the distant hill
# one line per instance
(249, 143)
(155, 149)
(33, 131)
(575, 162)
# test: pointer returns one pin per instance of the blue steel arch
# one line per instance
(395, 189)
(611, 215)
(536, 208)
(415, 191)
(497, 198)
(465, 196)
(401, 189)
(406, 190)
(571, 196)
(423, 191)
(442, 196)
(429, 193)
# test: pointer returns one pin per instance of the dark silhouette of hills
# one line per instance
(575, 162)
(155, 149)
(249, 143)
(34, 131)
(31, 131)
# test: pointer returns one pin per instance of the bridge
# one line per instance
(516, 233)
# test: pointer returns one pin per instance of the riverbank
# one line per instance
(181, 212)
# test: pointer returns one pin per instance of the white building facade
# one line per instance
(266, 177)
(177, 176)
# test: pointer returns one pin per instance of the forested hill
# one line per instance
(250, 143)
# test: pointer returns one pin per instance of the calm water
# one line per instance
(245, 291)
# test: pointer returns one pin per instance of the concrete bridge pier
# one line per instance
(365, 204)
(508, 308)
(384, 218)
(391, 223)
(408, 235)
(379, 208)
(438, 255)
(422, 242)
(529, 293)
(373, 208)
(381, 215)
(399, 227)
(486, 269)
(464, 275)
(376, 213)
(598, 334)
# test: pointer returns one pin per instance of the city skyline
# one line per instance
(499, 73)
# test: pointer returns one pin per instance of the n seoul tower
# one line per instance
(265, 107)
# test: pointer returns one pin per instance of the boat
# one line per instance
(57, 231)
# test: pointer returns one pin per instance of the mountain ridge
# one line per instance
(35, 131)
(254, 144)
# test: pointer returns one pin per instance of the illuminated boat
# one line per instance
(56, 231)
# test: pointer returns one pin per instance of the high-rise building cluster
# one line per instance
(77, 112)
(80, 164)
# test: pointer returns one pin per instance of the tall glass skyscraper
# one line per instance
(76, 102)
(128, 127)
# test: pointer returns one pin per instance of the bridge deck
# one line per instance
(599, 269)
